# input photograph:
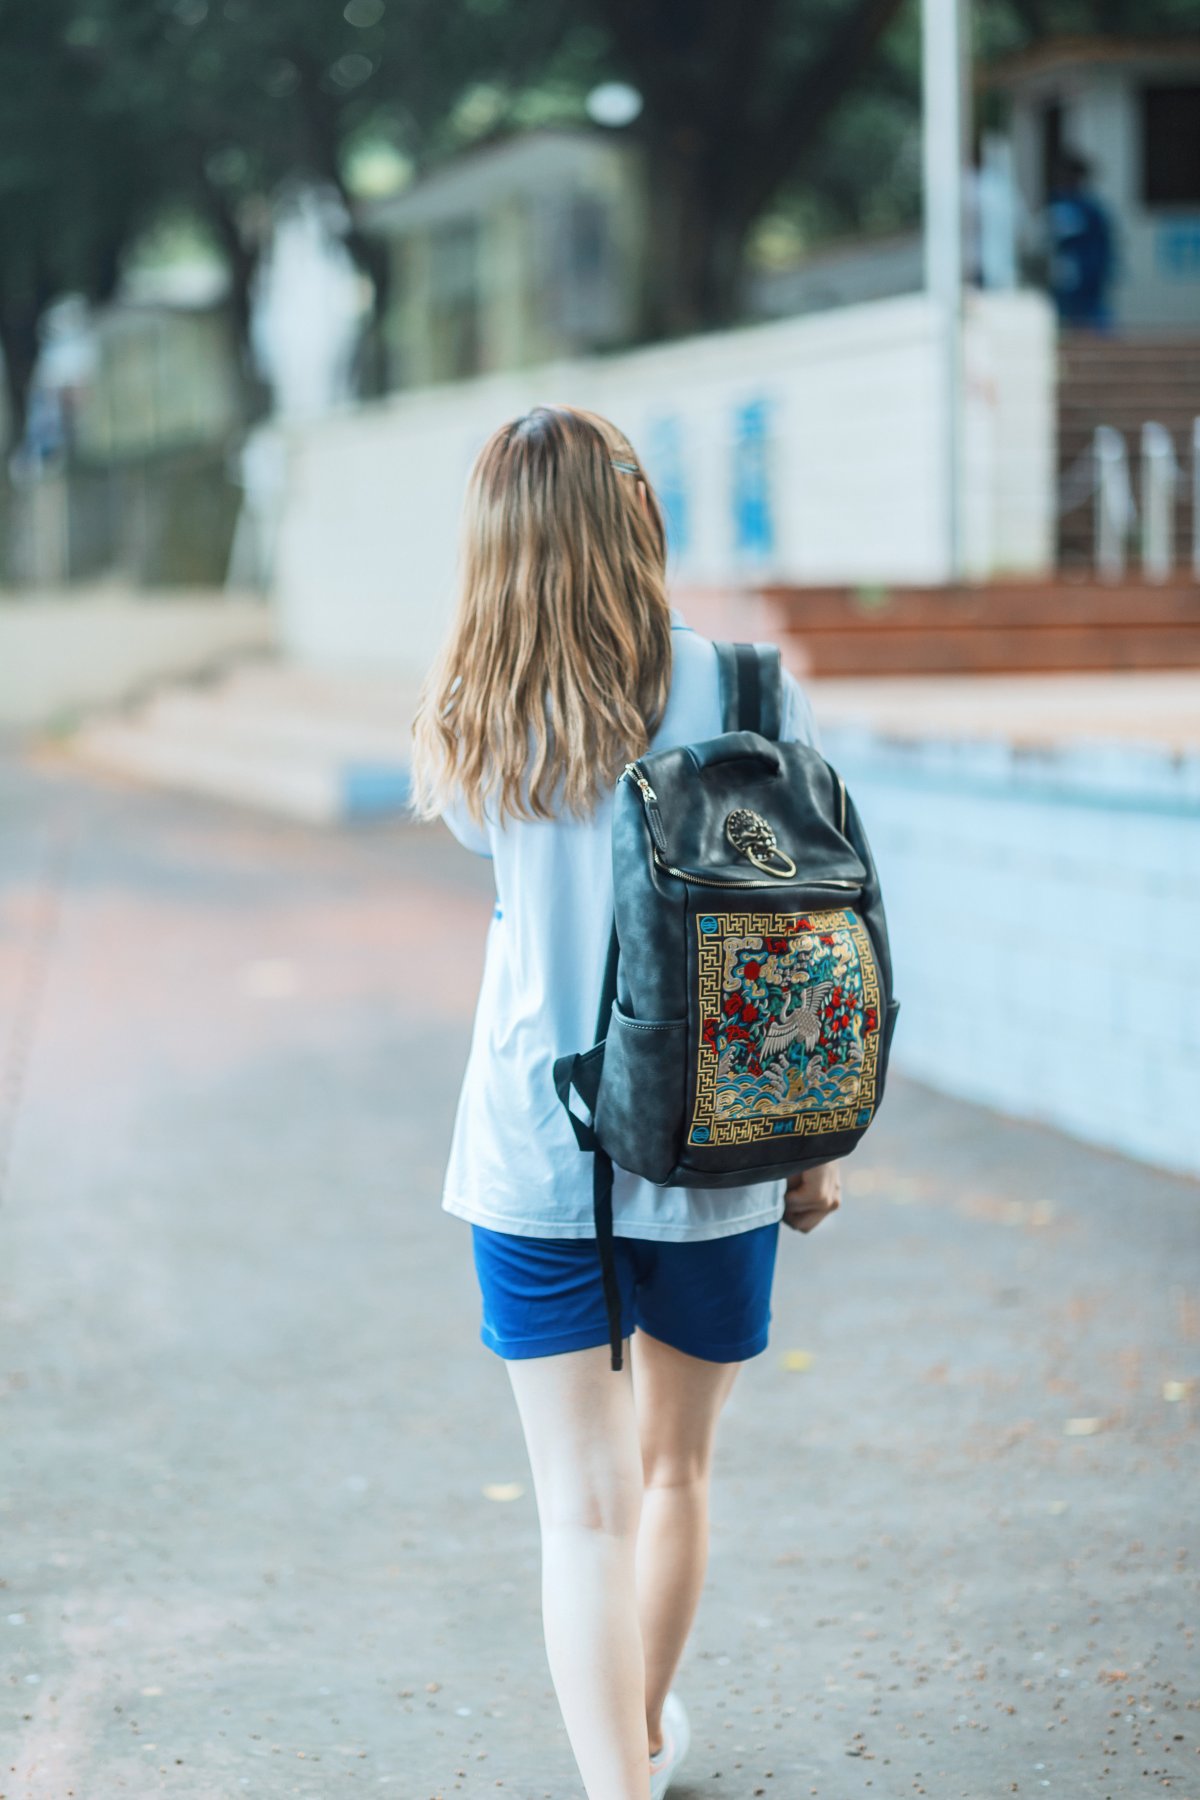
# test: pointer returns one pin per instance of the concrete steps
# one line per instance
(296, 742)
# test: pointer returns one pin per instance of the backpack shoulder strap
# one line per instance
(751, 688)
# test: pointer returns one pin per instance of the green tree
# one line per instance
(66, 212)
(114, 112)
(737, 99)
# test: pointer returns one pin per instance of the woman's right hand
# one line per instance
(812, 1195)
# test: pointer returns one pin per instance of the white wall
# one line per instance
(366, 552)
(1044, 911)
(63, 653)
(1011, 436)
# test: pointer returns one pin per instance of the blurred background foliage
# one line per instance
(127, 126)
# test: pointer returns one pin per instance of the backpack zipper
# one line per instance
(635, 775)
(732, 882)
(650, 802)
(654, 821)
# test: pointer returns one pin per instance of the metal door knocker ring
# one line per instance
(753, 838)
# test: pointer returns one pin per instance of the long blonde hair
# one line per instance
(556, 669)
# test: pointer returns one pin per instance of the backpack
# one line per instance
(746, 1014)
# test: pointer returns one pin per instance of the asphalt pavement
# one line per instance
(266, 1527)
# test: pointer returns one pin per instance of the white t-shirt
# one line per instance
(514, 1164)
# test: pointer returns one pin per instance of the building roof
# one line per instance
(1054, 56)
(471, 181)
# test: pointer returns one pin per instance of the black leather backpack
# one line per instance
(747, 1011)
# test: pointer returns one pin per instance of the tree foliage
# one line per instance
(116, 112)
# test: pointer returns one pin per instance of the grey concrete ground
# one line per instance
(264, 1514)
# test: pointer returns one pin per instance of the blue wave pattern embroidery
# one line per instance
(789, 1007)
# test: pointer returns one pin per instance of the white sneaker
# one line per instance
(677, 1735)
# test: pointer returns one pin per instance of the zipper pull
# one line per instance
(635, 775)
(650, 802)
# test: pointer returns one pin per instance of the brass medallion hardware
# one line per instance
(753, 838)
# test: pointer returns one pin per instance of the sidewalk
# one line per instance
(265, 1516)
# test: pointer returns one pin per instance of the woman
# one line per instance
(563, 663)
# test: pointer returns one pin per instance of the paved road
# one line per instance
(251, 1448)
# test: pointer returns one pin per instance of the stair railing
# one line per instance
(1160, 479)
(1115, 511)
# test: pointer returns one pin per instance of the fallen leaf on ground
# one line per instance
(503, 1490)
(797, 1360)
(1082, 1427)
(1176, 1390)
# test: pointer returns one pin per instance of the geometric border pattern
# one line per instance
(713, 928)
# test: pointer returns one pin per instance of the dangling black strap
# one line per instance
(602, 1172)
(582, 1072)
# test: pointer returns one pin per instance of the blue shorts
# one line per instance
(709, 1298)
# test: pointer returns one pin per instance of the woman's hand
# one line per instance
(811, 1196)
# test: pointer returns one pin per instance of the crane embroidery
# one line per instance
(801, 1023)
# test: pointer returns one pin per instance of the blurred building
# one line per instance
(1130, 112)
(518, 253)
(123, 468)
(164, 372)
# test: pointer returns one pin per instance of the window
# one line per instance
(1051, 145)
(1171, 145)
(456, 327)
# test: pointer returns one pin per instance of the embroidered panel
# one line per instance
(789, 1025)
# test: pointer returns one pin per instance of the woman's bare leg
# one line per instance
(581, 1433)
(679, 1399)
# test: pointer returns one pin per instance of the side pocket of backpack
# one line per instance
(885, 1048)
(639, 1110)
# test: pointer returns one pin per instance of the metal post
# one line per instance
(1114, 502)
(945, 110)
(1158, 502)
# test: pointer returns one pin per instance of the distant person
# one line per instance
(1082, 261)
(563, 663)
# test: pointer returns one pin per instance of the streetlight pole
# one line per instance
(945, 112)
